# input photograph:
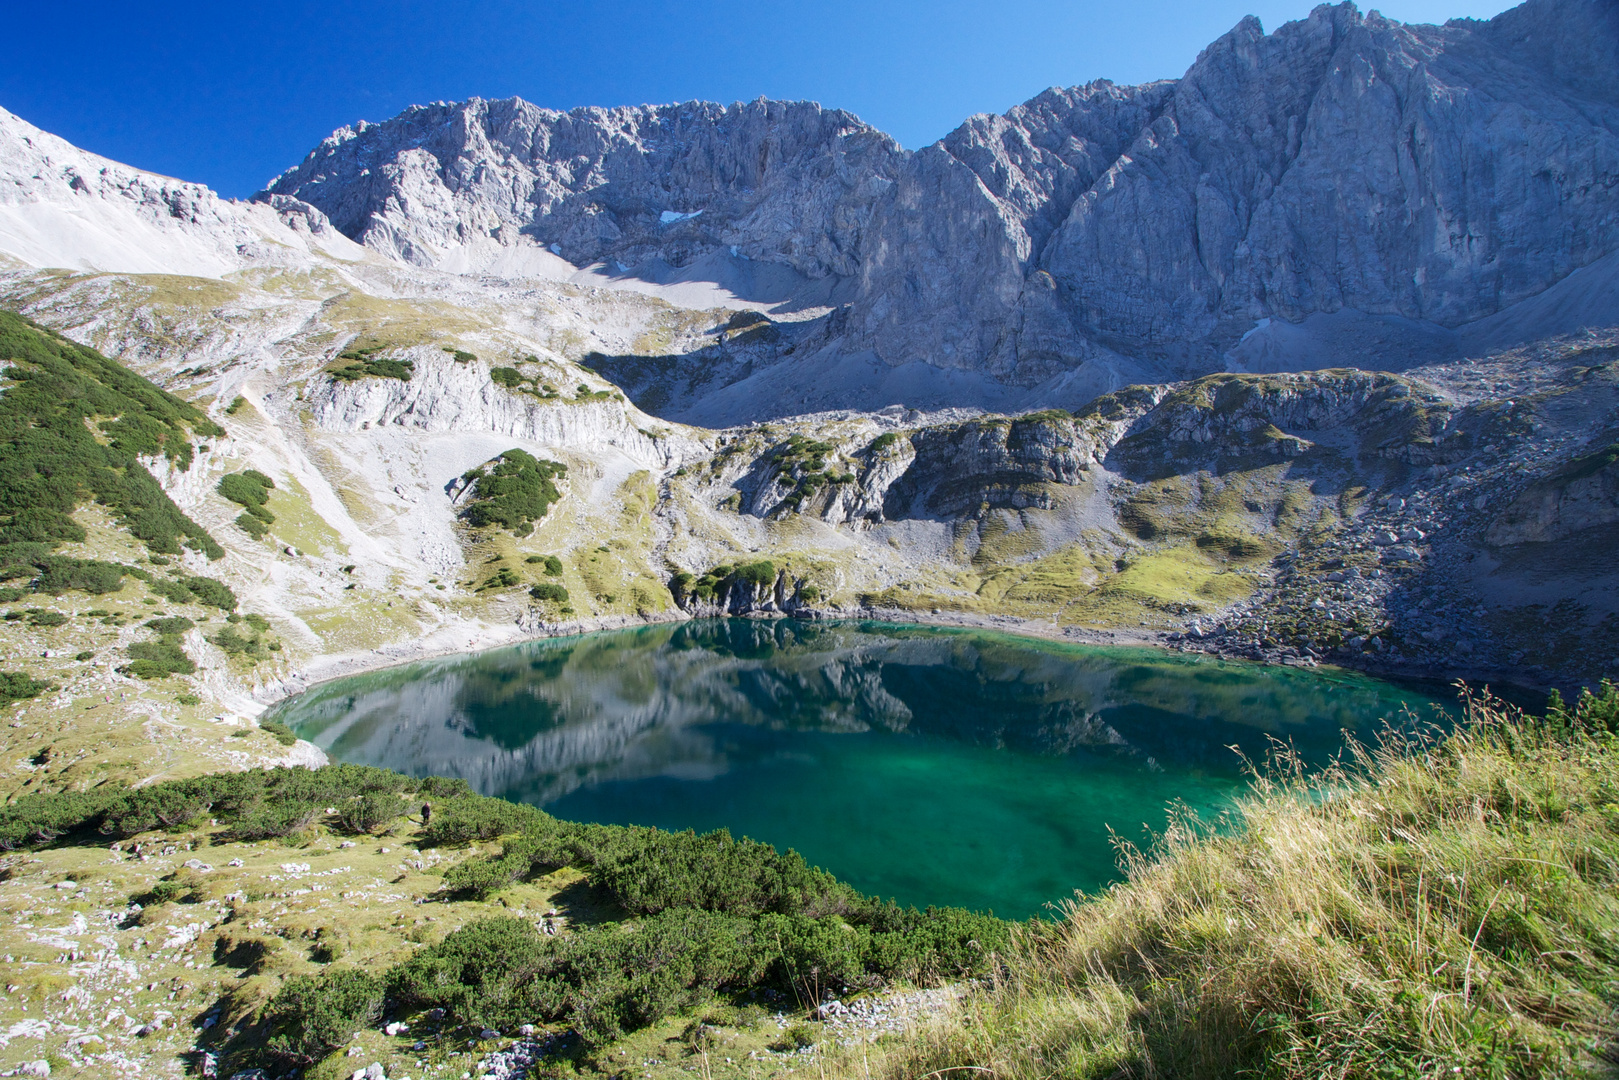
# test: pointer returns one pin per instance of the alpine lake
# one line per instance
(933, 766)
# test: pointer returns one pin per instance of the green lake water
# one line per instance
(931, 766)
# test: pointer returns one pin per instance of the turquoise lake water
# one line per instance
(932, 766)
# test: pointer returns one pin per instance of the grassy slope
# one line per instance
(1434, 908)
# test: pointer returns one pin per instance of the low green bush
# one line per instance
(283, 734)
(172, 591)
(211, 592)
(483, 974)
(463, 819)
(272, 820)
(369, 812)
(369, 367)
(552, 564)
(160, 806)
(250, 489)
(312, 1015)
(515, 493)
(194, 590)
(59, 574)
(649, 871)
(504, 578)
(19, 686)
(164, 657)
(549, 590)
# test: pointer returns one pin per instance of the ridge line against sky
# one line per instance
(231, 97)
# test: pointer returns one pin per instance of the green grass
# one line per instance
(1437, 906)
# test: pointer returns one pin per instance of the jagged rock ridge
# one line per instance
(1344, 185)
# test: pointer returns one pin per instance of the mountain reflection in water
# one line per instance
(765, 727)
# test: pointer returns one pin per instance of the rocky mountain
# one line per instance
(1345, 189)
(1308, 355)
(63, 207)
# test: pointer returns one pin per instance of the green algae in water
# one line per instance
(932, 766)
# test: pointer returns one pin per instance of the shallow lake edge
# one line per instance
(332, 668)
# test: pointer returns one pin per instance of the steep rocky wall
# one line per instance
(784, 181)
(443, 395)
(1343, 163)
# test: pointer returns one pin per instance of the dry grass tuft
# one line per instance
(1442, 905)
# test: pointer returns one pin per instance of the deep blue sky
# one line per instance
(230, 94)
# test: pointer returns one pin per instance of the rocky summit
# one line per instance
(1347, 190)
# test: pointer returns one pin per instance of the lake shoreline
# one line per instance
(329, 668)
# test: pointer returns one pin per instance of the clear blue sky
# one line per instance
(230, 94)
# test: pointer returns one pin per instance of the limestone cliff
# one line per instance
(1346, 189)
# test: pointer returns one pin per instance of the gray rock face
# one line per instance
(786, 182)
(1346, 175)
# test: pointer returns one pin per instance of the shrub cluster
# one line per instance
(363, 363)
(802, 461)
(189, 590)
(312, 1015)
(279, 731)
(608, 979)
(238, 801)
(253, 644)
(369, 812)
(515, 493)
(758, 916)
(19, 686)
(250, 489)
(160, 658)
(711, 913)
(513, 379)
(59, 574)
(51, 459)
(717, 582)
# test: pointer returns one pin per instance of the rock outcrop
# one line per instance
(445, 396)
